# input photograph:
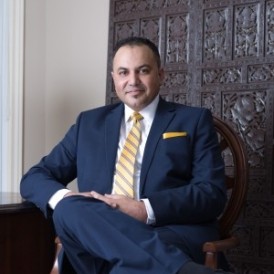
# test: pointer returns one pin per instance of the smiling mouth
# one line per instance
(135, 91)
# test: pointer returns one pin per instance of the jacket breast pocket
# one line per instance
(175, 145)
(173, 157)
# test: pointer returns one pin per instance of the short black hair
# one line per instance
(139, 41)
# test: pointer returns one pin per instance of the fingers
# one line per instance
(98, 196)
(104, 198)
(71, 193)
(114, 196)
(95, 195)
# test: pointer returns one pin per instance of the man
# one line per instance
(178, 178)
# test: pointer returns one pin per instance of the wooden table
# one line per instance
(26, 237)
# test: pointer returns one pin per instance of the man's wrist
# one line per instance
(57, 197)
(150, 213)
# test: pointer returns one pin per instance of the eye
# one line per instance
(144, 71)
(123, 72)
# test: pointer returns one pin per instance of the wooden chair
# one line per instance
(236, 181)
(235, 157)
(58, 247)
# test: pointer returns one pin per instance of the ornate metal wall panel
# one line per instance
(219, 55)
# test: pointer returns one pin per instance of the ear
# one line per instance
(161, 75)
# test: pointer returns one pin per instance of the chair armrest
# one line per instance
(211, 250)
(221, 245)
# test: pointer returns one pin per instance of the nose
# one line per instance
(134, 79)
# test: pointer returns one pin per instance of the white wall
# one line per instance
(34, 82)
(65, 68)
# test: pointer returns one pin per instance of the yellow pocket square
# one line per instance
(174, 134)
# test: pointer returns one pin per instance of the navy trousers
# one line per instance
(99, 239)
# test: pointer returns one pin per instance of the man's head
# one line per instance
(137, 72)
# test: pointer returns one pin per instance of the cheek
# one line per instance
(154, 86)
(153, 82)
(119, 85)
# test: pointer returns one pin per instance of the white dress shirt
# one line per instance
(148, 114)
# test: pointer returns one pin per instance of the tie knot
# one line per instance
(136, 116)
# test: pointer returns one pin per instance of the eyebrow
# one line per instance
(138, 68)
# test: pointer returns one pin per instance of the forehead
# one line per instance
(133, 54)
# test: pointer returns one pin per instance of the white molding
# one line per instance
(12, 55)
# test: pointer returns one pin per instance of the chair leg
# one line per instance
(58, 244)
(211, 260)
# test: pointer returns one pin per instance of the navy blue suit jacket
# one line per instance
(183, 177)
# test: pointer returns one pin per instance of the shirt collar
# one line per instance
(148, 112)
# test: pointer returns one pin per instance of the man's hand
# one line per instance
(71, 193)
(131, 207)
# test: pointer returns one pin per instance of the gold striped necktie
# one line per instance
(123, 183)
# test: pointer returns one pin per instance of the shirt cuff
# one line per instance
(57, 197)
(150, 213)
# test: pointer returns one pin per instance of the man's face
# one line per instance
(136, 76)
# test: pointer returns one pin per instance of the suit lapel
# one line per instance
(112, 133)
(164, 115)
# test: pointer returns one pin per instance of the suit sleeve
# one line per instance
(52, 173)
